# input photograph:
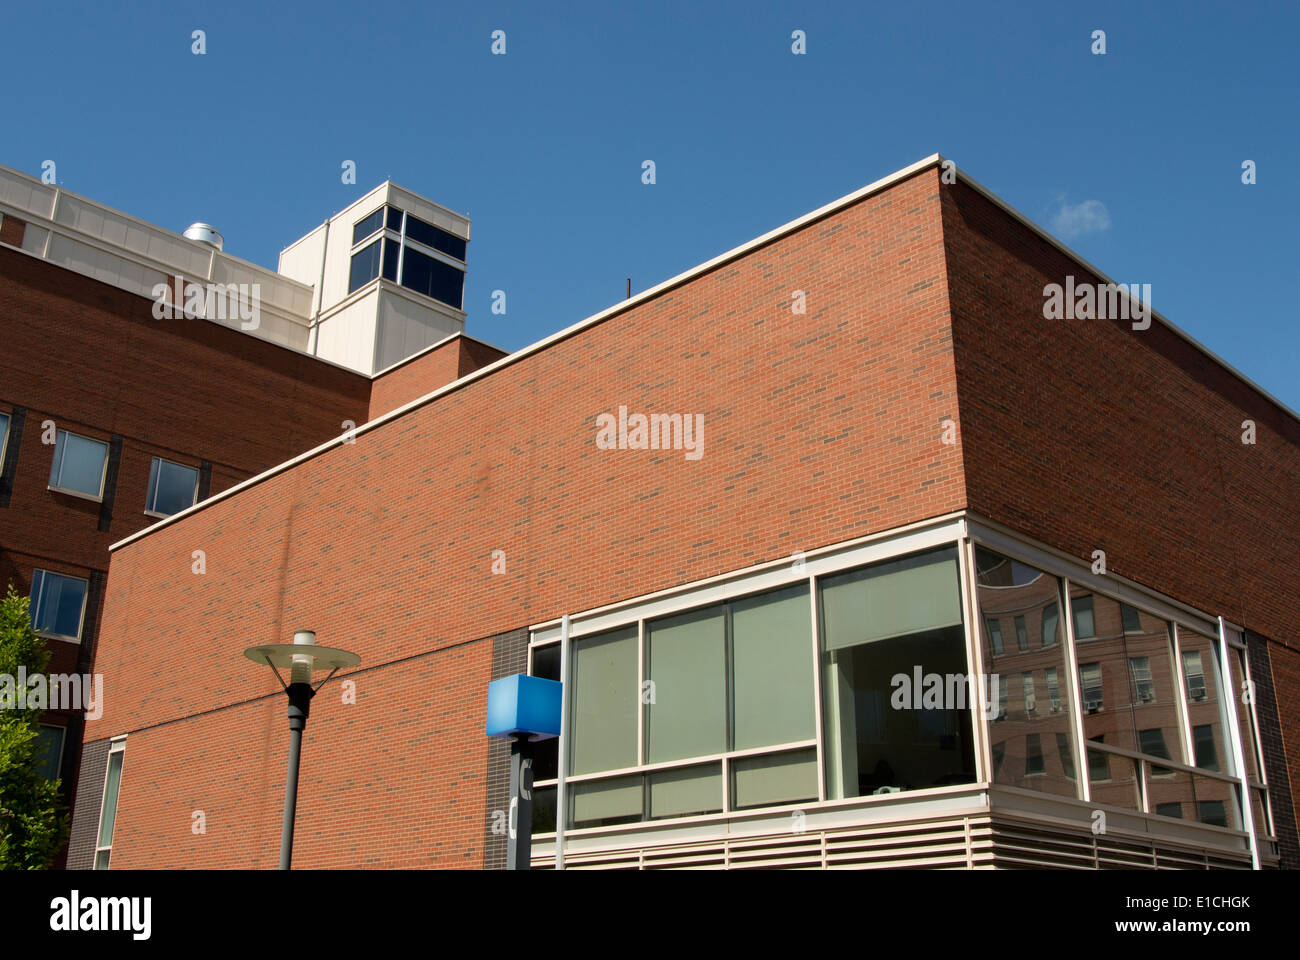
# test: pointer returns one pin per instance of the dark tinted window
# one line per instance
(431, 277)
(394, 219)
(368, 226)
(365, 266)
(431, 236)
(391, 249)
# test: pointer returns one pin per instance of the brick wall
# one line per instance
(92, 359)
(425, 372)
(818, 428)
(1089, 435)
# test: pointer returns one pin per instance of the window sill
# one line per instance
(97, 498)
(160, 516)
(44, 635)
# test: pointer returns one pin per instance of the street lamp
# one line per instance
(301, 658)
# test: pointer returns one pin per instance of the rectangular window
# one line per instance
(108, 808)
(79, 465)
(1098, 762)
(1194, 675)
(1090, 686)
(172, 487)
(1144, 687)
(1053, 689)
(684, 792)
(1051, 625)
(1131, 619)
(1066, 754)
(394, 219)
(1009, 589)
(686, 713)
(1031, 696)
(1152, 743)
(772, 684)
(604, 703)
(58, 604)
(1085, 627)
(1033, 754)
(1207, 754)
(771, 779)
(392, 251)
(49, 750)
(366, 227)
(879, 623)
(1212, 812)
(994, 628)
(431, 236)
(365, 266)
(431, 277)
(4, 437)
(1174, 810)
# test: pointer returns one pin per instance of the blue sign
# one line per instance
(524, 704)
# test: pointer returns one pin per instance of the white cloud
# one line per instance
(1076, 219)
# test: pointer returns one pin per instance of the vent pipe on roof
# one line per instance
(204, 233)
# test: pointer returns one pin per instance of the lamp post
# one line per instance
(301, 658)
(523, 710)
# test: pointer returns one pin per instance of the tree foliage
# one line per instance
(33, 821)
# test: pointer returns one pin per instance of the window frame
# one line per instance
(117, 747)
(85, 599)
(151, 493)
(59, 449)
(4, 435)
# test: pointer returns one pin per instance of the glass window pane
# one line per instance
(101, 860)
(394, 219)
(49, 750)
(171, 486)
(391, 251)
(1244, 720)
(56, 603)
(108, 812)
(896, 706)
(79, 464)
(1105, 674)
(686, 715)
(772, 669)
(431, 236)
(1200, 673)
(689, 792)
(774, 778)
(4, 433)
(366, 227)
(1113, 780)
(546, 754)
(604, 702)
(431, 277)
(1008, 588)
(544, 810)
(365, 266)
(603, 803)
(891, 599)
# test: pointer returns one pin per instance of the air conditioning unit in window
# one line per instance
(1092, 706)
(1031, 704)
(1056, 705)
(1198, 693)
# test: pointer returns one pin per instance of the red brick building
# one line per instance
(91, 370)
(898, 466)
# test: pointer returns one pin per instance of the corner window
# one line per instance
(58, 604)
(79, 465)
(365, 266)
(431, 236)
(894, 691)
(433, 278)
(1011, 590)
(367, 226)
(172, 487)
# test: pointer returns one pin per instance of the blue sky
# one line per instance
(543, 147)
